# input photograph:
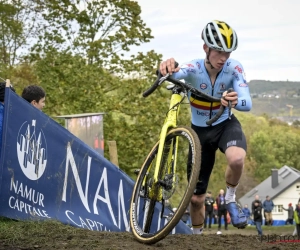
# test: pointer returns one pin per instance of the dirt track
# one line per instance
(52, 236)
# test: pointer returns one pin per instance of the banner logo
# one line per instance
(32, 150)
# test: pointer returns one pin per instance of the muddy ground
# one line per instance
(27, 236)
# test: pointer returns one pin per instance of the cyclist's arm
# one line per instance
(186, 72)
(241, 87)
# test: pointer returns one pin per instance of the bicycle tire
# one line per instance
(139, 199)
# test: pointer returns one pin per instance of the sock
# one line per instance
(198, 229)
(230, 192)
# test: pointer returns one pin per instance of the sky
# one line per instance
(268, 33)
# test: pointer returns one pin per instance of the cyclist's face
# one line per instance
(217, 58)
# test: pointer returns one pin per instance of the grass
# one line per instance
(34, 232)
(13, 230)
(31, 235)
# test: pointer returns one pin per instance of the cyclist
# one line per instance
(214, 75)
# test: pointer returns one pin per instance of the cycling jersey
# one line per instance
(231, 76)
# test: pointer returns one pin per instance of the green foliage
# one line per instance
(271, 144)
(18, 28)
(137, 126)
(72, 86)
(100, 31)
(78, 52)
(78, 58)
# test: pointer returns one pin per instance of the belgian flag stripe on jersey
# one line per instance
(201, 103)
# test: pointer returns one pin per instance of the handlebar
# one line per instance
(160, 79)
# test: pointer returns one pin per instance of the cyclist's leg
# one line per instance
(235, 158)
(233, 144)
(207, 162)
(197, 202)
(197, 208)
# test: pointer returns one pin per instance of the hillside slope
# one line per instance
(275, 98)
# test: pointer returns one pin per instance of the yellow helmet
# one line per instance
(220, 36)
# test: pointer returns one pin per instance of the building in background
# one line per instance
(283, 187)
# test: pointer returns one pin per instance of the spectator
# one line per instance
(297, 219)
(215, 213)
(2, 94)
(222, 211)
(257, 216)
(295, 230)
(247, 213)
(290, 218)
(256, 199)
(268, 206)
(35, 95)
(209, 201)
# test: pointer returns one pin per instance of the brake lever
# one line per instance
(163, 78)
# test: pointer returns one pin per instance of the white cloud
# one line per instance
(268, 32)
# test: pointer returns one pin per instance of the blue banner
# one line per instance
(48, 173)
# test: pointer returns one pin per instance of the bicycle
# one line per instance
(159, 179)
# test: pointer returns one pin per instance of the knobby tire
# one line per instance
(143, 182)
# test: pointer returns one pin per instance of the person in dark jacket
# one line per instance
(290, 218)
(257, 217)
(209, 201)
(256, 199)
(222, 211)
(2, 93)
(268, 206)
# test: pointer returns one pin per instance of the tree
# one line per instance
(79, 60)
(18, 28)
(99, 31)
(72, 86)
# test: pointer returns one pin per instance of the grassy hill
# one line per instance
(283, 88)
(275, 98)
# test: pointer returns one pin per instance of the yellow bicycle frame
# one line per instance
(169, 123)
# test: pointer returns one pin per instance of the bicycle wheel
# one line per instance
(150, 220)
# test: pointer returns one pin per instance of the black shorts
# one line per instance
(223, 135)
